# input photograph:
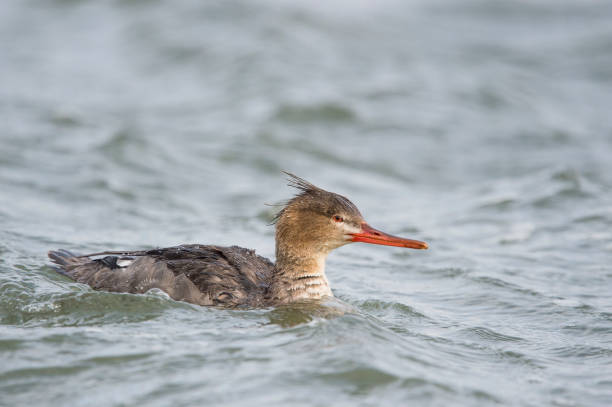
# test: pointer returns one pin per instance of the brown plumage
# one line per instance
(308, 227)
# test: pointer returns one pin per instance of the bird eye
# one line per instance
(338, 218)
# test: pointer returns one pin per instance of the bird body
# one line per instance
(308, 228)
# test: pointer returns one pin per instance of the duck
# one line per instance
(308, 228)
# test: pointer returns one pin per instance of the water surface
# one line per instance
(481, 127)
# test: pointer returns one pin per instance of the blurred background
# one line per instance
(482, 127)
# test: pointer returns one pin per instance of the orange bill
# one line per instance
(373, 236)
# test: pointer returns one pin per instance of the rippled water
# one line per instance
(481, 127)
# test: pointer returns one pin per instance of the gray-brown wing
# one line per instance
(141, 275)
(199, 274)
(230, 276)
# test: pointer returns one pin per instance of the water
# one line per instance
(481, 127)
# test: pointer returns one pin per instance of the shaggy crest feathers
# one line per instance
(310, 197)
(301, 183)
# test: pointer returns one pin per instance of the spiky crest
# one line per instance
(318, 199)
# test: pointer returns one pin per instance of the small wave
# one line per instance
(583, 351)
(118, 143)
(117, 359)
(363, 377)
(61, 370)
(403, 309)
(65, 120)
(323, 112)
(308, 311)
(565, 184)
(519, 232)
(497, 282)
(87, 308)
(490, 335)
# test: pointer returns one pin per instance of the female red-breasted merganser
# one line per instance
(309, 226)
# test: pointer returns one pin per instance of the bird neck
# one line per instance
(300, 275)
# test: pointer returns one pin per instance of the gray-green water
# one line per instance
(483, 127)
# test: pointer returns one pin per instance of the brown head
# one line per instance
(316, 221)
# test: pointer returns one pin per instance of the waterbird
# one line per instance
(308, 227)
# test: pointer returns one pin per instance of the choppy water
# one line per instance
(482, 127)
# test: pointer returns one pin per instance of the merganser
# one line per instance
(308, 228)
